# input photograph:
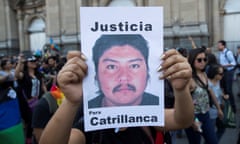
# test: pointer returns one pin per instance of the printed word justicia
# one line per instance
(121, 26)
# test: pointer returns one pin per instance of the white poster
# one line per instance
(123, 47)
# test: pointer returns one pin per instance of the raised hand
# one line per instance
(71, 75)
(176, 69)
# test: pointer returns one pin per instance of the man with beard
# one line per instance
(121, 65)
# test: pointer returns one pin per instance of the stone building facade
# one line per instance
(32, 24)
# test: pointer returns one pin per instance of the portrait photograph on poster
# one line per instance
(123, 47)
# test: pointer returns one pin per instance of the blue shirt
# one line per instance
(226, 57)
(218, 93)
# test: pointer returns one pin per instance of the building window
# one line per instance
(37, 34)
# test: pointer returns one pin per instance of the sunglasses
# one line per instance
(221, 74)
(32, 60)
(201, 59)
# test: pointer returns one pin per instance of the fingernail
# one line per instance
(161, 76)
(83, 57)
(159, 68)
(162, 56)
(169, 77)
(116, 130)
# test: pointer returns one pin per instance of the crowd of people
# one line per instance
(24, 79)
(31, 112)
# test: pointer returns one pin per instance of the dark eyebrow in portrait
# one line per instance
(137, 59)
(112, 60)
(109, 60)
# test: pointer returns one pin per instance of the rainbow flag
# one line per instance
(11, 128)
(53, 45)
(57, 94)
(12, 135)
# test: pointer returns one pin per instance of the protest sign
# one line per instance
(123, 47)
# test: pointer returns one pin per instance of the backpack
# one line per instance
(52, 103)
(226, 56)
(237, 62)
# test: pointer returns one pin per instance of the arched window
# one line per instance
(37, 34)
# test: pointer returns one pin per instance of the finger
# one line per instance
(78, 67)
(67, 77)
(72, 54)
(123, 129)
(169, 53)
(177, 67)
(70, 74)
(173, 59)
(77, 63)
(183, 74)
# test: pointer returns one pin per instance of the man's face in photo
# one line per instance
(122, 75)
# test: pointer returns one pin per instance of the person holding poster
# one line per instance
(122, 88)
(59, 130)
(121, 66)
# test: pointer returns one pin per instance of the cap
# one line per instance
(31, 59)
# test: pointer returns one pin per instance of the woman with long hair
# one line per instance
(30, 88)
(202, 99)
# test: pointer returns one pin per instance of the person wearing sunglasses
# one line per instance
(202, 99)
(215, 74)
(30, 88)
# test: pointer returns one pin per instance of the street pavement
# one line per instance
(231, 134)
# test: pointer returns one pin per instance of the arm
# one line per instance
(44, 88)
(19, 67)
(192, 42)
(3, 78)
(59, 129)
(214, 99)
(37, 133)
(182, 115)
(176, 68)
(76, 137)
